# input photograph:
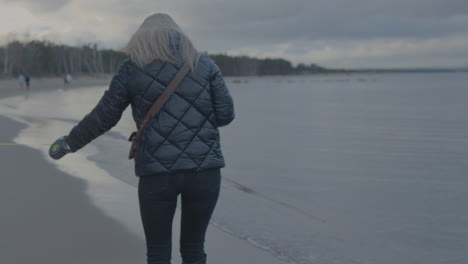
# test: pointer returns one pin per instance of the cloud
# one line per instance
(332, 32)
(40, 6)
(378, 52)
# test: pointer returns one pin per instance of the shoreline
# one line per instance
(10, 87)
(221, 246)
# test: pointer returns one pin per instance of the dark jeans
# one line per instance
(158, 200)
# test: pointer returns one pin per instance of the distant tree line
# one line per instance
(243, 65)
(43, 58)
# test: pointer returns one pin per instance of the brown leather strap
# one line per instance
(156, 107)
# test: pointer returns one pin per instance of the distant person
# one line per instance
(27, 82)
(21, 81)
(179, 151)
(67, 79)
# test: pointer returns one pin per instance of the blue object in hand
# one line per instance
(59, 148)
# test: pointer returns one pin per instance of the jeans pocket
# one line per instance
(153, 185)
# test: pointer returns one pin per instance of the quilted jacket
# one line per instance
(184, 135)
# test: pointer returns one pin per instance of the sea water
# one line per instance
(361, 168)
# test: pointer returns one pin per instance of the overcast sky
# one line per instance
(331, 33)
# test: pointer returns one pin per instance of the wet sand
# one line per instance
(47, 216)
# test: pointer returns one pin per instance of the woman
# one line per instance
(179, 152)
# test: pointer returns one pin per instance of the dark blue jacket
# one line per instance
(184, 135)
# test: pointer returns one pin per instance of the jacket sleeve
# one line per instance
(222, 100)
(106, 113)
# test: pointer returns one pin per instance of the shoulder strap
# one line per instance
(162, 99)
(157, 105)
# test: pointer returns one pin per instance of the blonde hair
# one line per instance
(159, 37)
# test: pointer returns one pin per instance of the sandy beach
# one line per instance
(48, 217)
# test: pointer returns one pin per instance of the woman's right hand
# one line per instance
(59, 148)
